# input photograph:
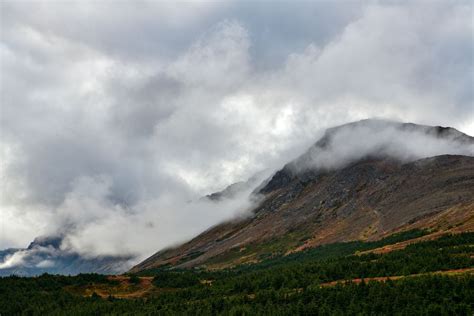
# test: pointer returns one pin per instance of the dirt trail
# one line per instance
(403, 244)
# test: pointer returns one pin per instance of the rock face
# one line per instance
(365, 196)
(44, 255)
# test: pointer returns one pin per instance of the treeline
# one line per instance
(286, 287)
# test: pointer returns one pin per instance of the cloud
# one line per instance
(343, 145)
(16, 259)
(114, 116)
(132, 231)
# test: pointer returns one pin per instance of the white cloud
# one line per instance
(380, 138)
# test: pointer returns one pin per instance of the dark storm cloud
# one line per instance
(115, 114)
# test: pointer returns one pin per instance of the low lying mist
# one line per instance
(93, 227)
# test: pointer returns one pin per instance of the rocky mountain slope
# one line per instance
(360, 181)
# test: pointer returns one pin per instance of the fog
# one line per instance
(92, 225)
(382, 139)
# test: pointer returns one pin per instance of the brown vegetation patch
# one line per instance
(122, 289)
(397, 277)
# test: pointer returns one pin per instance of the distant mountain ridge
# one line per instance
(44, 255)
(368, 194)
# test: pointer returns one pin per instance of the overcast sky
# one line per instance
(117, 107)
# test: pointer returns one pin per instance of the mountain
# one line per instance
(361, 181)
(237, 188)
(44, 255)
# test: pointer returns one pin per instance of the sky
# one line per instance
(114, 115)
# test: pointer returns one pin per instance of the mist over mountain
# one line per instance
(381, 138)
(116, 119)
(44, 255)
(236, 157)
(360, 181)
(375, 138)
(83, 248)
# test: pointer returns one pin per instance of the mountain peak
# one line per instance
(372, 138)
